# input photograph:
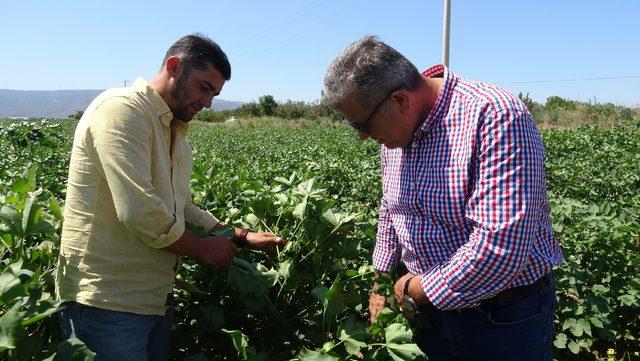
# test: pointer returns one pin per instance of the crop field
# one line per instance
(319, 187)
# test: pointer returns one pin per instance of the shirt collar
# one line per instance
(164, 113)
(444, 96)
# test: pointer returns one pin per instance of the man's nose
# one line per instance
(206, 101)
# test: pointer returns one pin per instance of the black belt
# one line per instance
(514, 293)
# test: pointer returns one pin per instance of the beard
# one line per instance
(178, 92)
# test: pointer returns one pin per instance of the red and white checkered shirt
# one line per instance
(465, 204)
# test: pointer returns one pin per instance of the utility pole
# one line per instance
(445, 32)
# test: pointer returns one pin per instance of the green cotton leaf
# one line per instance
(30, 176)
(319, 292)
(354, 329)
(398, 333)
(6, 241)
(282, 180)
(73, 350)
(300, 209)
(30, 214)
(333, 299)
(337, 220)
(242, 264)
(281, 198)
(308, 355)
(385, 316)
(332, 218)
(579, 327)
(11, 221)
(596, 322)
(305, 187)
(560, 341)
(627, 300)
(353, 346)
(198, 174)
(27, 182)
(585, 325)
(10, 199)
(252, 220)
(16, 267)
(54, 208)
(45, 309)
(11, 330)
(284, 269)
(269, 275)
(351, 272)
(20, 186)
(41, 227)
(251, 279)
(10, 288)
(568, 323)
(407, 351)
(353, 334)
(240, 342)
(574, 347)
(332, 290)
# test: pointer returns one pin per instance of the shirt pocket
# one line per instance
(443, 193)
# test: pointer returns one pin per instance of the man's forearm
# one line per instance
(189, 244)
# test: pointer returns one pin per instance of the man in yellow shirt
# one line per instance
(127, 203)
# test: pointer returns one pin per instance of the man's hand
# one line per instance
(376, 304)
(265, 242)
(218, 252)
(414, 291)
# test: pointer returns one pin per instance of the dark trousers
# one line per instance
(519, 330)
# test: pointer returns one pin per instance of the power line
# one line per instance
(304, 30)
(258, 37)
(575, 79)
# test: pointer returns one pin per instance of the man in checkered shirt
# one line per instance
(464, 204)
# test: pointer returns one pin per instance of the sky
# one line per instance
(282, 48)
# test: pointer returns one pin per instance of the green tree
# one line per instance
(268, 104)
(554, 102)
(77, 114)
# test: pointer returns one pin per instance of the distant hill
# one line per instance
(61, 103)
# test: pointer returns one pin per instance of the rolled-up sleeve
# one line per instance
(119, 143)
(503, 209)
(198, 217)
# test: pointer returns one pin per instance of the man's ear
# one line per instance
(173, 66)
(402, 98)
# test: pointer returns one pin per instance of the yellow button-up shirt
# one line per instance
(127, 198)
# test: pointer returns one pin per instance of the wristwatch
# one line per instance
(240, 240)
(407, 302)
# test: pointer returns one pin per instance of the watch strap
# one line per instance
(240, 238)
(405, 291)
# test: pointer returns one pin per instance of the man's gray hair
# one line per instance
(369, 70)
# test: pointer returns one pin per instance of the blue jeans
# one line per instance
(518, 331)
(118, 336)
